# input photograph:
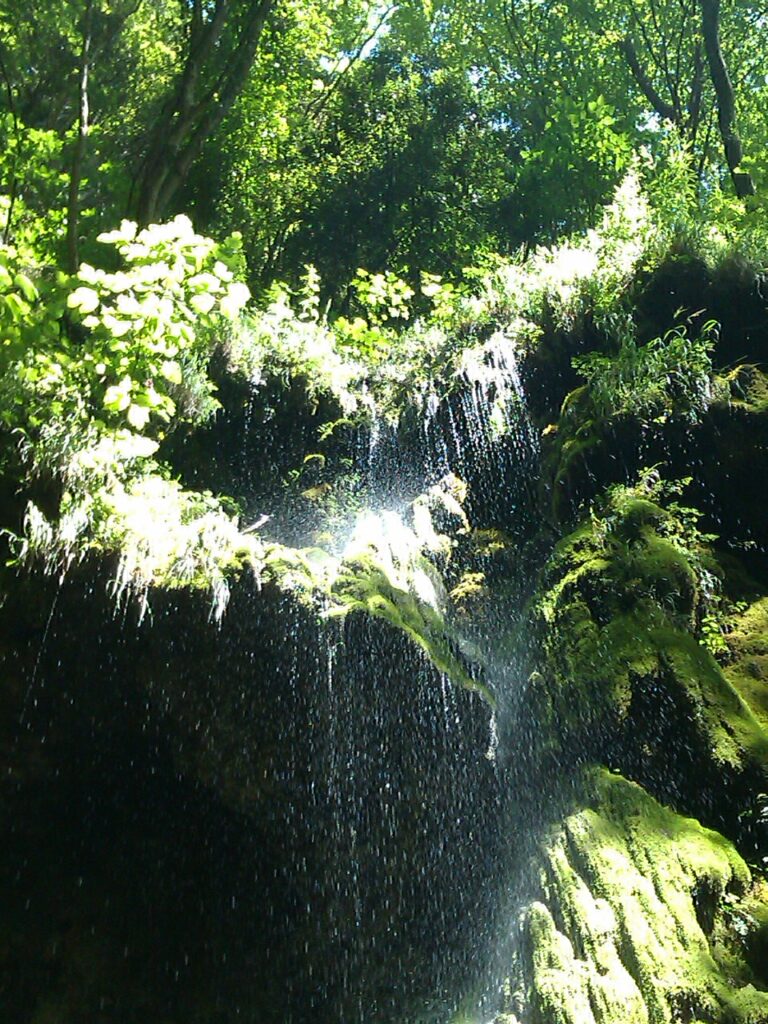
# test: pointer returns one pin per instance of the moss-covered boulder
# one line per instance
(641, 916)
(722, 445)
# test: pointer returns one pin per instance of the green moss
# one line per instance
(634, 543)
(562, 982)
(754, 923)
(618, 614)
(368, 584)
(595, 673)
(733, 731)
(747, 387)
(389, 571)
(747, 670)
(470, 590)
(643, 916)
(566, 462)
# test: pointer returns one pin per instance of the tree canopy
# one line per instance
(409, 136)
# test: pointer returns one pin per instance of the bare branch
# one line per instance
(697, 87)
(657, 24)
(316, 106)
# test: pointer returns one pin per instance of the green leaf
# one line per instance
(83, 299)
(26, 287)
(118, 396)
(125, 233)
(203, 303)
(171, 370)
(138, 416)
(116, 327)
(134, 446)
(17, 307)
(236, 297)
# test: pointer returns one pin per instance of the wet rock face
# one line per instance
(684, 289)
(259, 436)
(726, 453)
(636, 912)
(284, 819)
(111, 858)
(265, 819)
(625, 677)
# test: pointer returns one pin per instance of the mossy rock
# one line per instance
(633, 547)
(569, 463)
(735, 735)
(367, 586)
(727, 445)
(748, 388)
(603, 675)
(642, 916)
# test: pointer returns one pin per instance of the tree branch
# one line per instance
(697, 87)
(665, 110)
(664, 57)
(315, 107)
(14, 183)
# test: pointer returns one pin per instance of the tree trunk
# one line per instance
(188, 119)
(666, 111)
(76, 171)
(726, 107)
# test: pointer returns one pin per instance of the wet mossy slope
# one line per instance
(643, 916)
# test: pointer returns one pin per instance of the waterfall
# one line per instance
(410, 787)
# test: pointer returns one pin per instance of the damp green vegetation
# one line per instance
(397, 568)
(642, 914)
(101, 367)
(747, 659)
